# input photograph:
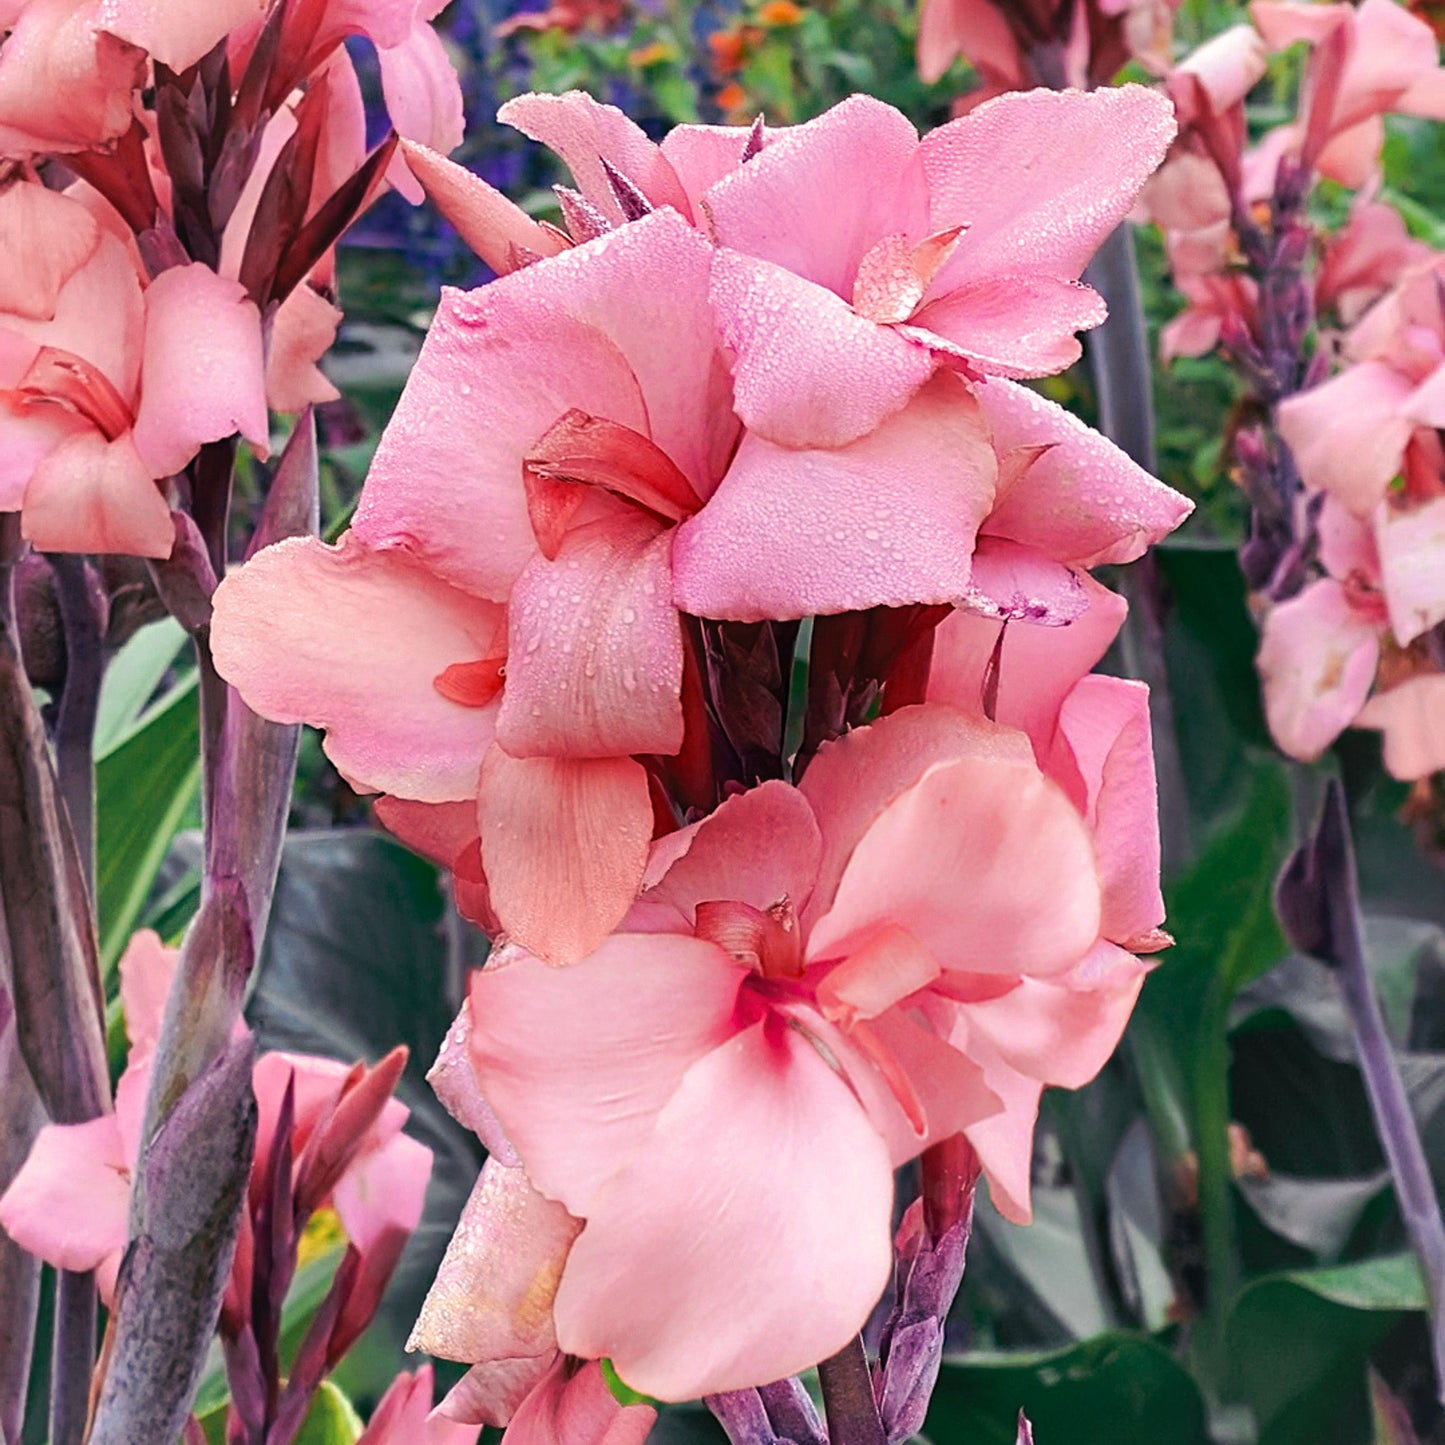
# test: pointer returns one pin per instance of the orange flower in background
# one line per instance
(780, 13)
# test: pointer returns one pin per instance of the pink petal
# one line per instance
(701, 155)
(1062, 1030)
(178, 35)
(29, 432)
(203, 377)
(1036, 666)
(883, 970)
(1426, 404)
(423, 99)
(70, 1202)
(1014, 583)
(1004, 1140)
(1104, 722)
(564, 844)
(1412, 563)
(853, 779)
(590, 330)
(1083, 500)
(1412, 718)
(822, 194)
(486, 220)
(594, 659)
(383, 1191)
(1040, 178)
(491, 1393)
(492, 1296)
(1317, 660)
(455, 1085)
(353, 641)
(404, 1417)
(572, 1405)
(1014, 325)
(90, 495)
(1032, 904)
(1347, 434)
(760, 847)
(747, 1239)
(579, 1062)
(886, 521)
(807, 370)
(302, 331)
(64, 85)
(146, 969)
(949, 28)
(46, 238)
(1227, 66)
(584, 132)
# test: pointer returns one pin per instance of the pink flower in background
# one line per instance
(803, 986)
(70, 1202)
(404, 1416)
(107, 386)
(1018, 44)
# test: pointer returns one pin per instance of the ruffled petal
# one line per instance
(578, 1063)
(1083, 500)
(1032, 903)
(1040, 178)
(564, 845)
(354, 641)
(821, 195)
(747, 1239)
(807, 370)
(886, 521)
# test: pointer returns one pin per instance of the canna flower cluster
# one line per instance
(1342, 341)
(173, 179)
(753, 412)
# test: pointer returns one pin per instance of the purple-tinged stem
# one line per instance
(83, 615)
(20, 1121)
(778, 1414)
(51, 943)
(1319, 905)
(848, 1401)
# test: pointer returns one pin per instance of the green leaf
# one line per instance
(145, 787)
(1298, 1346)
(131, 679)
(621, 1391)
(1119, 1388)
(330, 1420)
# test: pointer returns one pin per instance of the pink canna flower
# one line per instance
(819, 1011)
(107, 387)
(70, 1202)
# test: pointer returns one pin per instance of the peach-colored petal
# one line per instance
(1317, 659)
(886, 521)
(45, 238)
(594, 665)
(708, 1263)
(492, 1296)
(91, 495)
(203, 377)
(1412, 718)
(564, 845)
(302, 332)
(354, 641)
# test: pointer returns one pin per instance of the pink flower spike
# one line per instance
(355, 641)
(573, 830)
